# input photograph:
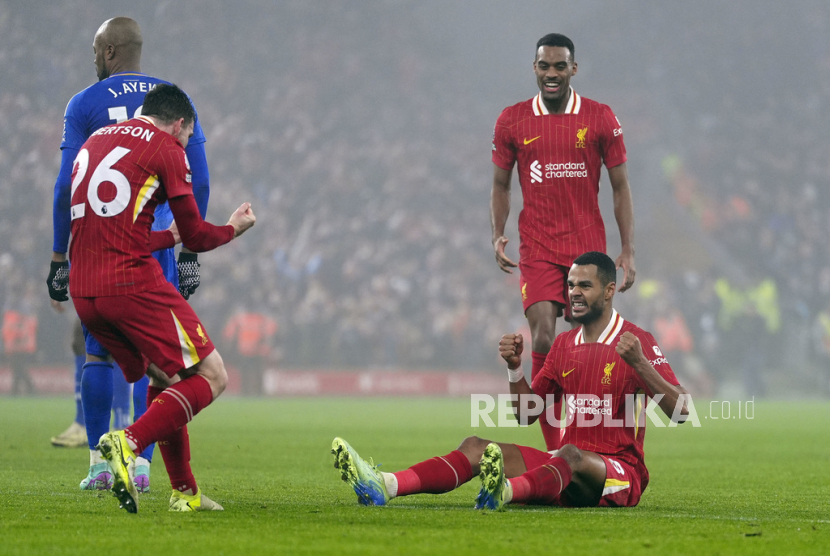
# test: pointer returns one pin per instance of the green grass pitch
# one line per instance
(734, 486)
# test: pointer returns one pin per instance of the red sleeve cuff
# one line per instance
(161, 240)
(616, 161)
(502, 164)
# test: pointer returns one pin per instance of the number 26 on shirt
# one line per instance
(103, 173)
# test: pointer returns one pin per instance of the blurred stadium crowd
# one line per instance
(368, 167)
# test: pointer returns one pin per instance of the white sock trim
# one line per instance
(453, 470)
(95, 457)
(391, 482)
(558, 474)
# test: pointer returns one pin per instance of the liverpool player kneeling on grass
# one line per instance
(121, 174)
(601, 370)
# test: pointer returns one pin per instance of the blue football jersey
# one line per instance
(113, 100)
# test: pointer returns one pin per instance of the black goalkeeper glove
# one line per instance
(189, 278)
(58, 281)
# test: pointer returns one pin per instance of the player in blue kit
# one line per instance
(118, 96)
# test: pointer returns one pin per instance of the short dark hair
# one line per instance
(606, 269)
(168, 103)
(555, 39)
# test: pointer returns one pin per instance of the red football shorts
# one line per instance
(623, 485)
(157, 326)
(544, 281)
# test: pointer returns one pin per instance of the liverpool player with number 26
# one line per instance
(121, 174)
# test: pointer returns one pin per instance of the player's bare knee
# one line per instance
(473, 447)
(542, 323)
(222, 380)
(218, 379)
(212, 369)
(542, 343)
(572, 455)
(92, 358)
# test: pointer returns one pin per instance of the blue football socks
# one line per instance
(96, 393)
(79, 372)
(120, 399)
(139, 407)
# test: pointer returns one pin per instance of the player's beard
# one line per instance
(103, 72)
(595, 311)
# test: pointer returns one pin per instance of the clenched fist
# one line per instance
(510, 349)
(630, 349)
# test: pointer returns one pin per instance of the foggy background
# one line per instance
(361, 132)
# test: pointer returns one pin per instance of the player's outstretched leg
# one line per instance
(115, 449)
(362, 476)
(494, 485)
(198, 502)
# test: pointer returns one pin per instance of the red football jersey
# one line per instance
(120, 174)
(600, 390)
(559, 160)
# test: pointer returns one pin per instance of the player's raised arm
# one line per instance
(169, 109)
(624, 213)
(499, 210)
(511, 347)
(198, 235)
(631, 351)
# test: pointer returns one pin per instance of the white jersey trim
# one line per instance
(574, 104)
(146, 120)
(608, 335)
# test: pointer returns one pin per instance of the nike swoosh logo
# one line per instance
(529, 141)
(566, 373)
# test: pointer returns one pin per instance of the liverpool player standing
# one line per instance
(118, 95)
(600, 368)
(558, 140)
(121, 295)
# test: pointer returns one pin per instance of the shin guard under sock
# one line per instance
(172, 409)
(436, 475)
(175, 452)
(543, 484)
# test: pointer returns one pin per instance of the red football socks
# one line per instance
(172, 409)
(543, 484)
(550, 432)
(436, 475)
(175, 452)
